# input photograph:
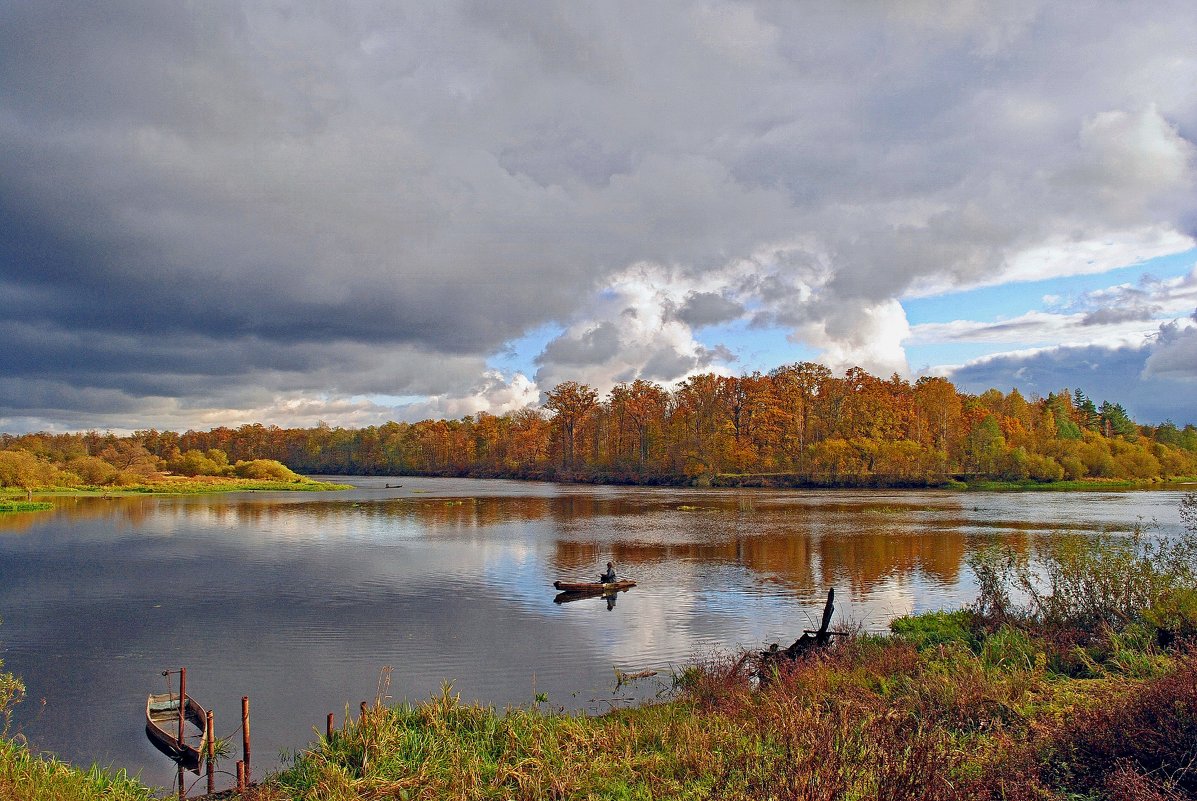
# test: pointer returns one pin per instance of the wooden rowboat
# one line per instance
(592, 587)
(162, 727)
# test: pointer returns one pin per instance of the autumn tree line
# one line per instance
(798, 425)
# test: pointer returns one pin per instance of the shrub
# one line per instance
(1073, 468)
(1015, 465)
(196, 463)
(1174, 614)
(264, 469)
(1147, 740)
(1044, 468)
(1087, 581)
(1097, 459)
(1134, 462)
(92, 470)
(22, 469)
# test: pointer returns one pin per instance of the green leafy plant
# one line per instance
(1085, 580)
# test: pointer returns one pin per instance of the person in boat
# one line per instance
(609, 576)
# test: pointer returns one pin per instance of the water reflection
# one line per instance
(300, 600)
(610, 596)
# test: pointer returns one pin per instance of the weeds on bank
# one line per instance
(874, 719)
(26, 777)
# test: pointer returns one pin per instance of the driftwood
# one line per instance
(811, 640)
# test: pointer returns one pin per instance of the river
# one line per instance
(300, 601)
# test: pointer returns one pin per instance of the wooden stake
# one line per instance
(182, 783)
(245, 733)
(329, 728)
(363, 715)
(211, 752)
(240, 776)
(182, 703)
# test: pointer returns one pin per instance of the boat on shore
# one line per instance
(162, 727)
(592, 587)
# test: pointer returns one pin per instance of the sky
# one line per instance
(218, 213)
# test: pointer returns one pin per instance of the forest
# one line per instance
(798, 425)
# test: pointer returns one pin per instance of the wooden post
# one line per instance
(363, 715)
(211, 752)
(245, 733)
(822, 637)
(329, 728)
(182, 783)
(240, 776)
(182, 702)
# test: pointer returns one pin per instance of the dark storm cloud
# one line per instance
(1149, 381)
(371, 198)
(1174, 355)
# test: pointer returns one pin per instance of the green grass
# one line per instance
(26, 777)
(23, 506)
(932, 629)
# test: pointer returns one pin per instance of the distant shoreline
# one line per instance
(789, 481)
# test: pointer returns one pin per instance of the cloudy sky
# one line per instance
(216, 213)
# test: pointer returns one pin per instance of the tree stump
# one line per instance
(811, 640)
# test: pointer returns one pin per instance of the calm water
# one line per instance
(300, 600)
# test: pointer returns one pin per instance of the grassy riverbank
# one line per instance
(947, 708)
(937, 712)
(195, 485)
(26, 777)
(164, 485)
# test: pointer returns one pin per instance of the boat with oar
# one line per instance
(162, 727)
(593, 587)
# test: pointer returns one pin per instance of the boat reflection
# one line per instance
(610, 596)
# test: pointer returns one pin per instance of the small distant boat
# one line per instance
(592, 587)
(394, 486)
(162, 727)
